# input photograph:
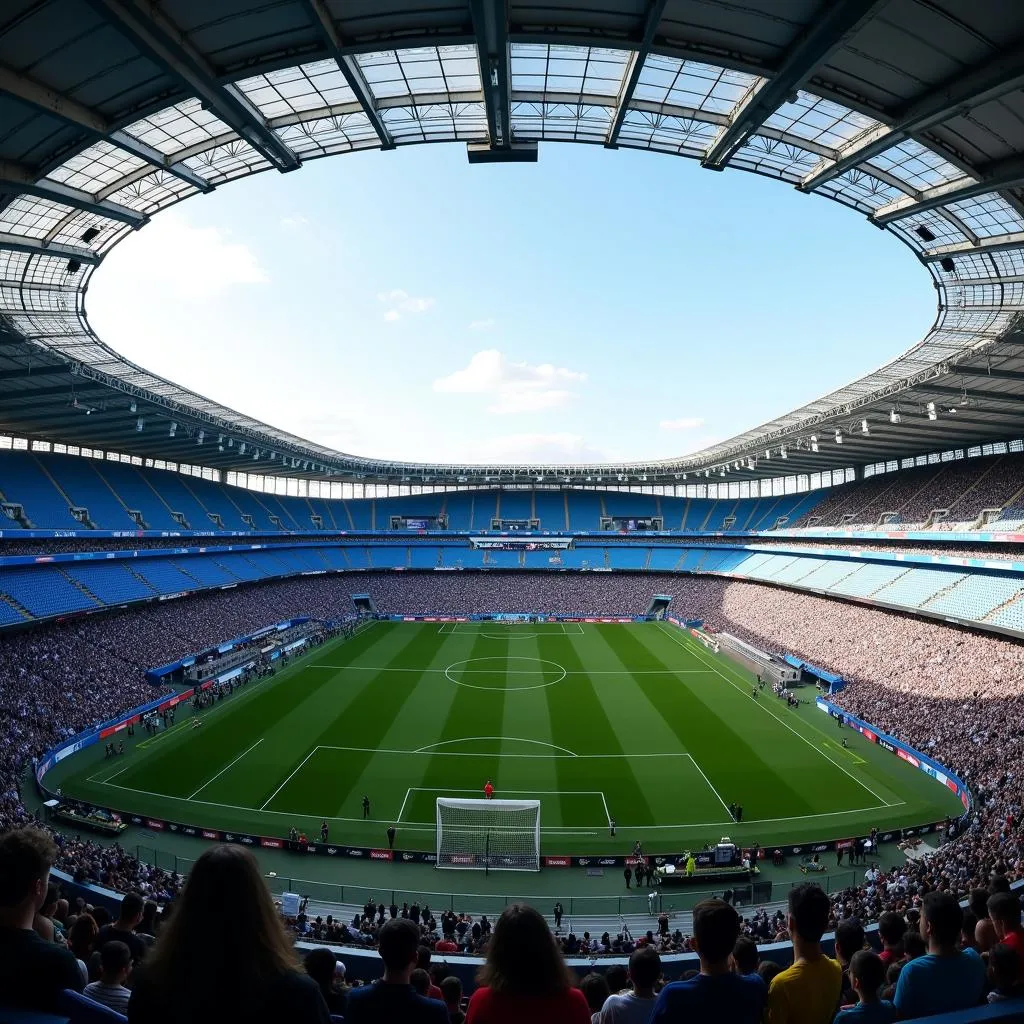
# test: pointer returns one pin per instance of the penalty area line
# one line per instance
(225, 768)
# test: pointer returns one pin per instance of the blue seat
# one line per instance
(83, 1010)
(16, 1015)
(337, 1019)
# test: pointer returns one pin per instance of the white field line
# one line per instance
(552, 829)
(430, 747)
(460, 753)
(109, 777)
(226, 767)
(573, 672)
(718, 796)
(401, 810)
(289, 779)
(764, 707)
(606, 812)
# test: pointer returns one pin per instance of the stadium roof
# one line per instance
(910, 112)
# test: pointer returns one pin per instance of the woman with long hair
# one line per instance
(525, 977)
(224, 954)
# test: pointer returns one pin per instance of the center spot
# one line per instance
(505, 673)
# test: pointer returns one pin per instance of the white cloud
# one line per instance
(175, 258)
(294, 222)
(486, 324)
(683, 423)
(400, 302)
(515, 387)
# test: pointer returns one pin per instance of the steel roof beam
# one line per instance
(831, 27)
(652, 19)
(991, 178)
(995, 243)
(981, 371)
(490, 26)
(39, 96)
(149, 28)
(35, 247)
(987, 81)
(14, 178)
(349, 67)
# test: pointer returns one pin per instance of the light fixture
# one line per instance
(814, 442)
(839, 436)
(173, 430)
(931, 410)
(894, 416)
(133, 407)
(201, 437)
(139, 424)
(767, 453)
(864, 429)
(952, 410)
(241, 448)
(782, 452)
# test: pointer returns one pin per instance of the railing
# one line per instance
(611, 905)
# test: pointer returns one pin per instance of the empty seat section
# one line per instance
(976, 596)
(692, 558)
(163, 574)
(584, 511)
(266, 563)
(9, 614)
(1012, 616)
(388, 556)
(625, 503)
(628, 557)
(485, 508)
(180, 499)
(249, 503)
(111, 582)
(361, 511)
(758, 565)
(516, 505)
(457, 508)
(672, 512)
(663, 558)
(325, 510)
(293, 513)
(916, 586)
(240, 566)
(205, 570)
(576, 557)
(424, 557)
(44, 591)
(332, 558)
(869, 578)
(550, 507)
(798, 570)
(216, 498)
(23, 482)
(130, 484)
(83, 486)
(830, 573)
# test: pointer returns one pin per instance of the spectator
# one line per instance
(635, 1006)
(767, 970)
(849, 940)
(224, 954)
(423, 964)
(81, 941)
(32, 972)
(123, 929)
(891, 929)
(148, 924)
(115, 966)
(594, 987)
(1004, 911)
(322, 966)
(451, 989)
(945, 978)
(1004, 973)
(867, 974)
(744, 955)
(525, 977)
(807, 992)
(420, 981)
(716, 994)
(393, 997)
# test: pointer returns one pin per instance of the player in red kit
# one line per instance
(488, 790)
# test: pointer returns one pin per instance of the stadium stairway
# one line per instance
(79, 585)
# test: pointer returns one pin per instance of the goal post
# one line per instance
(488, 835)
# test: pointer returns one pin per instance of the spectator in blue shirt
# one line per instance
(867, 975)
(946, 978)
(716, 994)
(393, 998)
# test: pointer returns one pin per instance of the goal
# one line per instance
(488, 835)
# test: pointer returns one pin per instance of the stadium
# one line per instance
(783, 673)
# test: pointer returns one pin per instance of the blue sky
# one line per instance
(595, 306)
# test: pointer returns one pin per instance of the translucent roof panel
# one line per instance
(293, 91)
(573, 70)
(988, 215)
(424, 71)
(685, 83)
(437, 122)
(862, 190)
(31, 217)
(667, 133)
(221, 163)
(942, 231)
(774, 158)
(571, 122)
(185, 125)
(820, 121)
(919, 167)
(323, 135)
(152, 192)
(97, 167)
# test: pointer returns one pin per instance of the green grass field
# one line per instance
(638, 722)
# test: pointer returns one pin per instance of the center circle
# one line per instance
(500, 673)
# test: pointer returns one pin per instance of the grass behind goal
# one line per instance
(632, 723)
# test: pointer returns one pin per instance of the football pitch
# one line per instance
(638, 723)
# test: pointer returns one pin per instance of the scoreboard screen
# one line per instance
(632, 524)
(438, 522)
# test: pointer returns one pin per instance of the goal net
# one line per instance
(488, 835)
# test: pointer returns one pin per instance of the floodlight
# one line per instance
(864, 429)
(814, 442)
(173, 430)
(139, 424)
(782, 452)
(133, 407)
(931, 410)
(839, 437)
(894, 416)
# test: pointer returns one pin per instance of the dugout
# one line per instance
(767, 666)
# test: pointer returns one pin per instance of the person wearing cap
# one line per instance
(322, 966)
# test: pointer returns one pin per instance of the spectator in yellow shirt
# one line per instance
(807, 992)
